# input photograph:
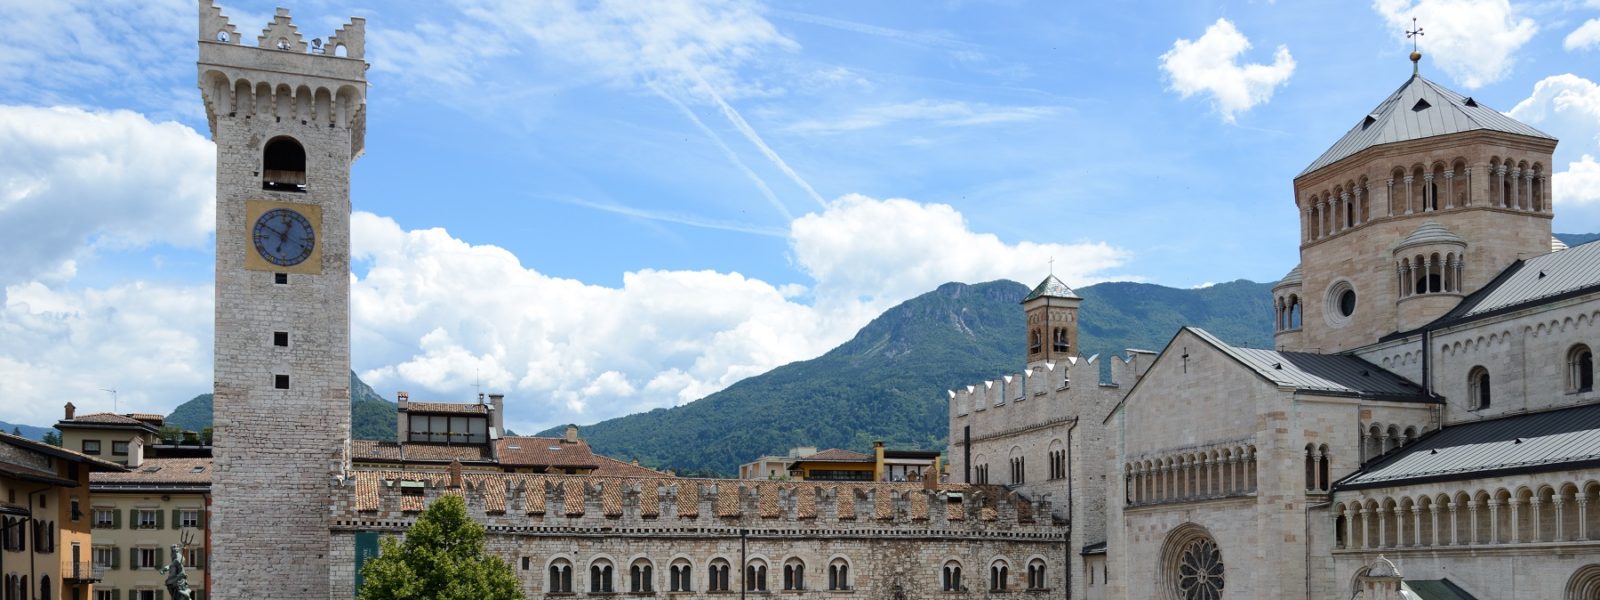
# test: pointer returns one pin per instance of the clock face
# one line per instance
(284, 237)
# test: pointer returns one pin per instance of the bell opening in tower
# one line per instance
(283, 166)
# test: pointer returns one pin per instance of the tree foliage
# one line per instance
(442, 558)
(52, 438)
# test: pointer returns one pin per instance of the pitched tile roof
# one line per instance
(1420, 109)
(1051, 287)
(1557, 439)
(611, 467)
(1528, 281)
(371, 450)
(521, 451)
(94, 464)
(1328, 373)
(835, 455)
(447, 407)
(108, 420)
(158, 471)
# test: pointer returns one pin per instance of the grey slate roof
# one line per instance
(1436, 589)
(1330, 373)
(1053, 288)
(1545, 276)
(1552, 440)
(1400, 118)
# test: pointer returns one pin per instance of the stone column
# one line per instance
(1322, 220)
(1383, 528)
(1416, 525)
(1459, 272)
(1408, 179)
(1433, 515)
(1472, 517)
(1455, 526)
(1527, 189)
(1388, 198)
(1494, 520)
(1538, 524)
(1516, 528)
(1349, 529)
(1366, 522)
(1429, 200)
(1469, 187)
(1561, 525)
(1500, 187)
(1583, 515)
(1450, 188)
(1305, 224)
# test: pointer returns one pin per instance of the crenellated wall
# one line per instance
(896, 537)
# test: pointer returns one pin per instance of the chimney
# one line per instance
(497, 403)
(402, 426)
(572, 434)
(135, 452)
(402, 399)
(878, 473)
(455, 473)
(71, 411)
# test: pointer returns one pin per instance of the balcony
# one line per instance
(84, 572)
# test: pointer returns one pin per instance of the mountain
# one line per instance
(371, 417)
(28, 431)
(888, 382)
(1573, 239)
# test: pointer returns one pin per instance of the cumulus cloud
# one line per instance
(437, 313)
(1579, 185)
(1210, 65)
(1474, 41)
(1567, 106)
(948, 113)
(152, 343)
(1585, 37)
(73, 180)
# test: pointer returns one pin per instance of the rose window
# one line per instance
(1200, 571)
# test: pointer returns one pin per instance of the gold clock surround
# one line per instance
(253, 209)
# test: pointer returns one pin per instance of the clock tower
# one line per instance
(288, 118)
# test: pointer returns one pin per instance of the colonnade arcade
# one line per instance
(1513, 184)
(1213, 473)
(1540, 512)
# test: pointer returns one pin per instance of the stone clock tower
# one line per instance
(288, 118)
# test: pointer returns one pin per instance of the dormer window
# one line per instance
(283, 166)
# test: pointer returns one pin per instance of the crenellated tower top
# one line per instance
(282, 76)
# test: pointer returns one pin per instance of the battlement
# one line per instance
(283, 77)
(576, 501)
(1046, 380)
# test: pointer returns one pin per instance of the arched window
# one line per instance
(641, 576)
(1580, 369)
(998, 573)
(1060, 340)
(560, 579)
(283, 166)
(1478, 387)
(600, 573)
(838, 574)
(794, 574)
(952, 577)
(1191, 564)
(1584, 583)
(1035, 342)
(44, 588)
(1036, 574)
(1322, 467)
(717, 576)
(755, 576)
(679, 576)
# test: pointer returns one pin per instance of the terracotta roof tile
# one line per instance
(572, 498)
(175, 471)
(493, 490)
(767, 500)
(447, 407)
(689, 499)
(611, 467)
(411, 503)
(94, 464)
(807, 501)
(987, 513)
(520, 451)
(370, 449)
(919, 506)
(534, 493)
(394, 451)
(883, 504)
(837, 455)
(728, 504)
(368, 486)
(611, 497)
(104, 418)
(650, 498)
(953, 511)
(846, 501)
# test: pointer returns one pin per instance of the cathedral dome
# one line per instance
(1292, 278)
(1430, 232)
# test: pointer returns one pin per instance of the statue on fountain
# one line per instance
(178, 581)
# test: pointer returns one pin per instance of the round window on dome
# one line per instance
(1341, 303)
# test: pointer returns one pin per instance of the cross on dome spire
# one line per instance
(1413, 35)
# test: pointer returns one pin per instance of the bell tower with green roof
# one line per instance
(1052, 314)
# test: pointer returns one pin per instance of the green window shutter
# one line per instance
(116, 558)
(158, 594)
(116, 519)
(133, 518)
(177, 519)
(158, 519)
(133, 559)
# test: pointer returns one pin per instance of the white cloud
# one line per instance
(1474, 41)
(152, 343)
(74, 179)
(1585, 37)
(1211, 65)
(436, 313)
(1579, 185)
(947, 113)
(1566, 106)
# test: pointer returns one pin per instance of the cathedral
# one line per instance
(1426, 427)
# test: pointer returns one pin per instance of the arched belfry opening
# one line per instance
(1052, 313)
(283, 165)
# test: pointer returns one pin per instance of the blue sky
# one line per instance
(604, 207)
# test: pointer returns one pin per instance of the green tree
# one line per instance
(52, 438)
(16, 431)
(442, 558)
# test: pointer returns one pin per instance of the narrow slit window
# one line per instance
(280, 338)
(280, 382)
